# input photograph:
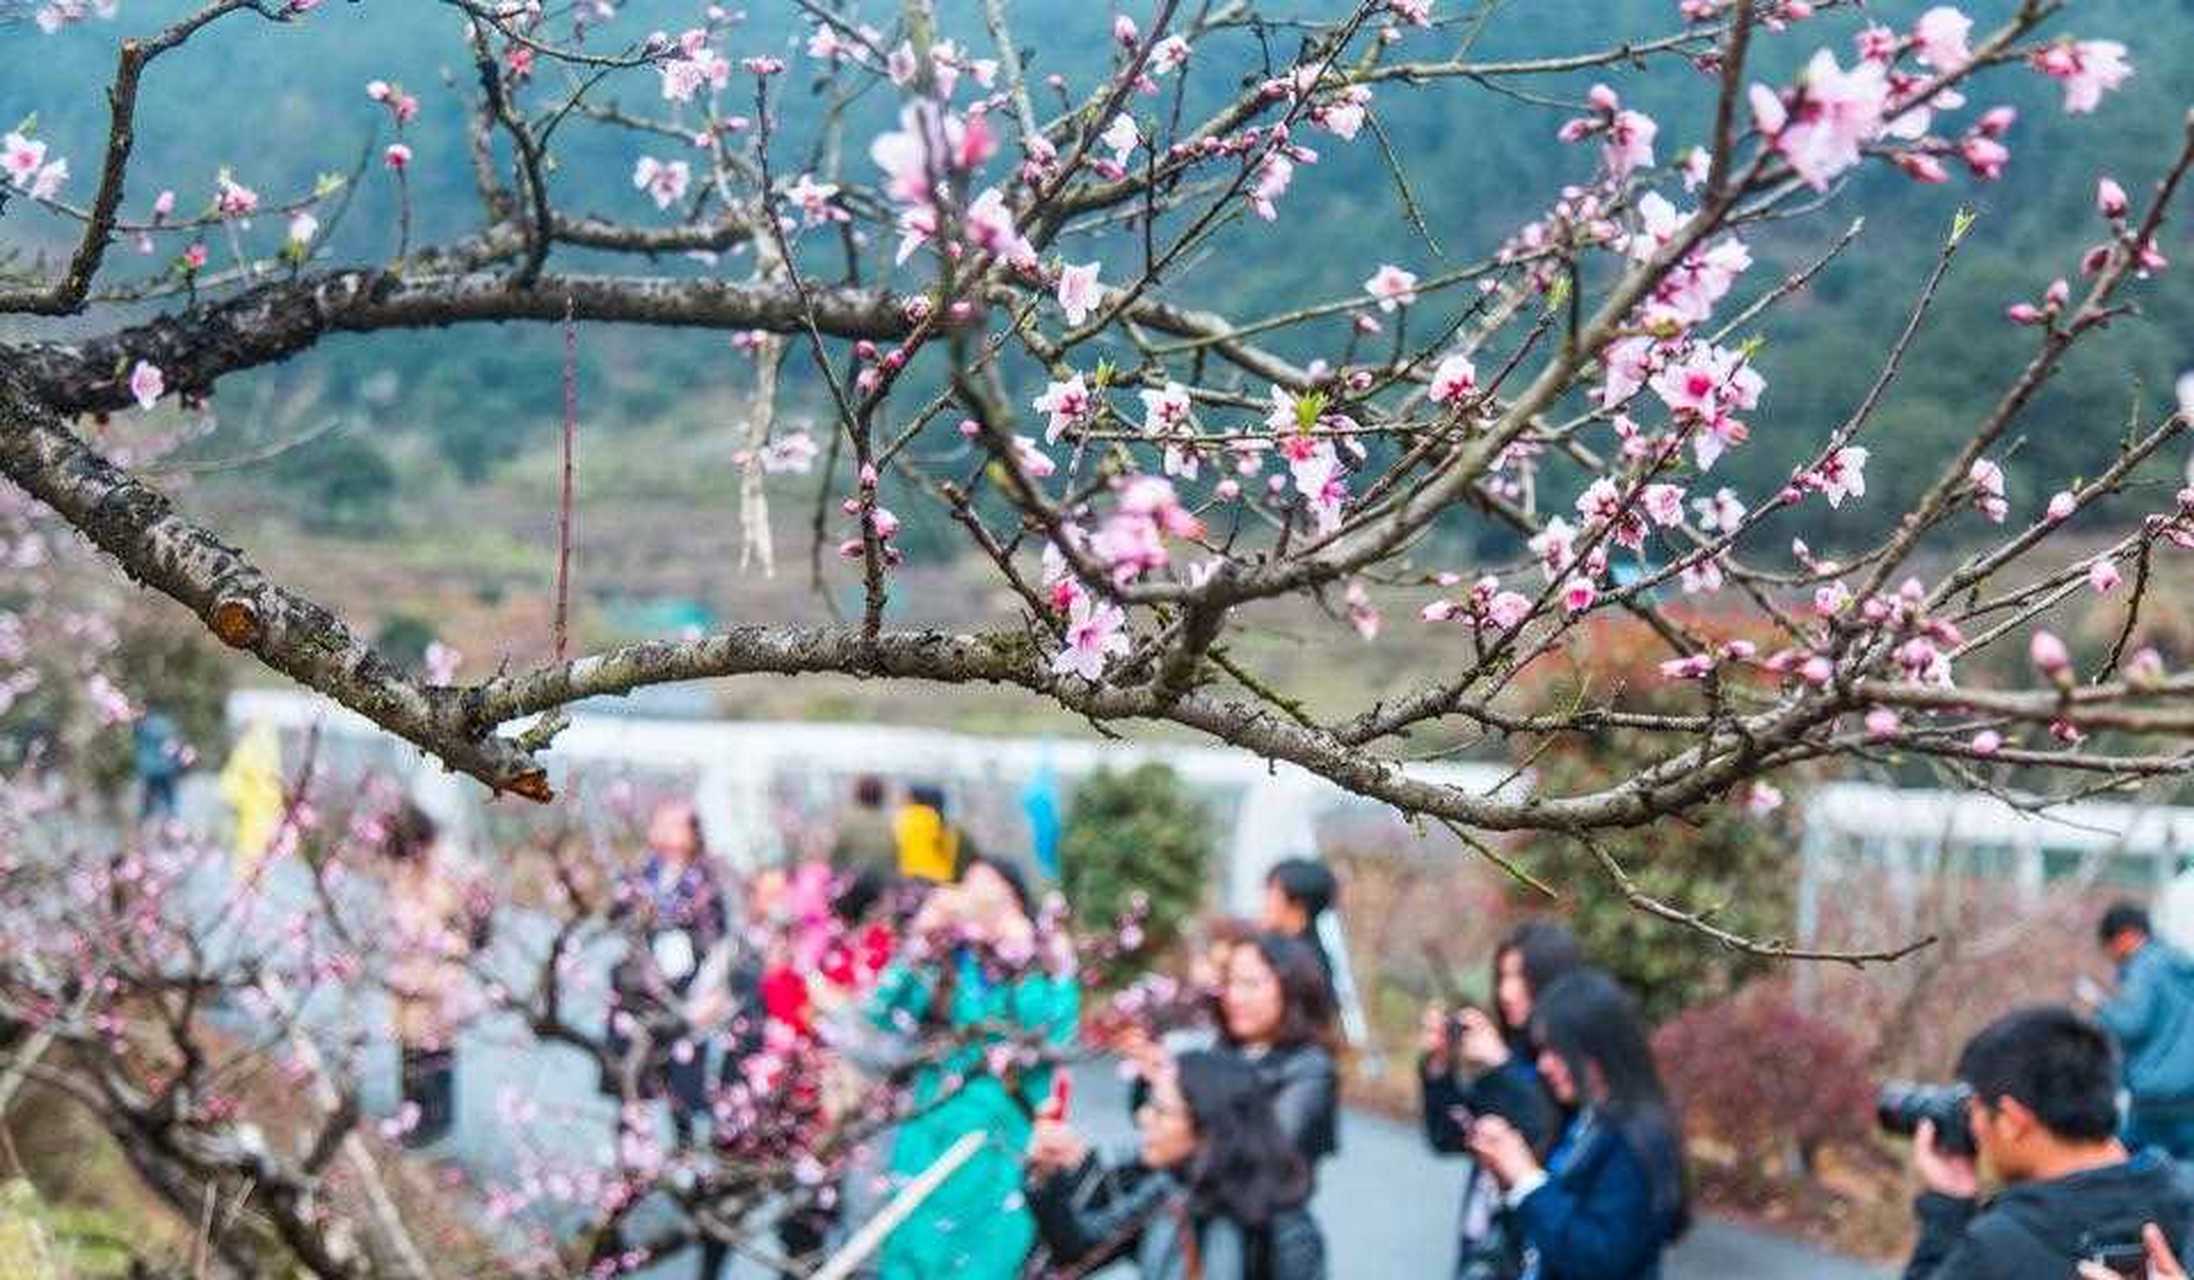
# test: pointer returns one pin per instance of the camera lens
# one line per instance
(1901, 1105)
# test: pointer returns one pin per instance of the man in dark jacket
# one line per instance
(2152, 1015)
(865, 841)
(2044, 1116)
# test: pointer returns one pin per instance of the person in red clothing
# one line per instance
(785, 994)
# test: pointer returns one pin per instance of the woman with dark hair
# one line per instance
(1476, 1064)
(1216, 1191)
(1301, 897)
(1610, 1194)
(1529, 960)
(1276, 1012)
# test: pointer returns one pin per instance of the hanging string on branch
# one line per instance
(561, 636)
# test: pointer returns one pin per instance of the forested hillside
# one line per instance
(1477, 169)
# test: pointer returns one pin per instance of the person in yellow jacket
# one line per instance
(929, 848)
(251, 783)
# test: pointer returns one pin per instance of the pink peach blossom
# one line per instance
(147, 384)
(1392, 286)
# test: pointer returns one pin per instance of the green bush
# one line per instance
(341, 484)
(1139, 831)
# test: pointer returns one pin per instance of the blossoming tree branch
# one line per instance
(994, 297)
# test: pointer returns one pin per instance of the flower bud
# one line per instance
(2051, 657)
(2110, 199)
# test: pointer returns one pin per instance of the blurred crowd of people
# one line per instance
(910, 956)
(750, 1007)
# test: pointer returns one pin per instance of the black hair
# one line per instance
(2058, 1065)
(410, 833)
(1244, 1168)
(1549, 952)
(1306, 999)
(2121, 916)
(858, 894)
(868, 791)
(1015, 878)
(1588, 1021)
(1307, 883)
(928, 793)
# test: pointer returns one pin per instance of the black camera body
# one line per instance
(1453, 1029)
(1901, 1105)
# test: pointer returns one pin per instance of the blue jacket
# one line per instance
(2152, 1015)
(1594, 1218)
(153, 746)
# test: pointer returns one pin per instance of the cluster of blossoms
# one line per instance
(1823, 125)
(1309, 439)
(931, 146)
(232, 199)
(1127, 545)
(879, 521)
(690, 65)
(1820, 128)
(403, 108)
(1488, 604)
(1626, 136)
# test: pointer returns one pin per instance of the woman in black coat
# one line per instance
(1276, 1012)
(1216, 1192)
(1479, 1063)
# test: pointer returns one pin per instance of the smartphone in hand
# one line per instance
(1062, 1093)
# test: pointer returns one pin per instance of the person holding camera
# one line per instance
(2041, 1112)
(1610, 1195)
(2151, 1013)
(1475, 1063)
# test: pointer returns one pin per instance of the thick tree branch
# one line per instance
(196, 347)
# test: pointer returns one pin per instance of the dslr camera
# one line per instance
(1901, 1105)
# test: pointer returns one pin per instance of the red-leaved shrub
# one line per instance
(1765, 1081)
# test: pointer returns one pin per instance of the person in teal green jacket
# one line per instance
(975, 1226)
